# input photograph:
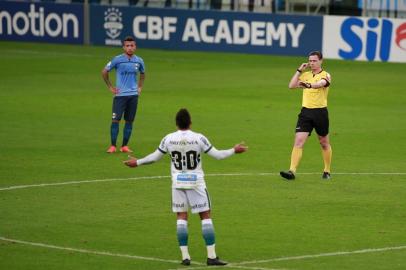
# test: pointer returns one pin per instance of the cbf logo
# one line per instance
(374, 39)
(113, 25)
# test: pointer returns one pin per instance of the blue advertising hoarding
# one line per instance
(47, 22)
(206, 30)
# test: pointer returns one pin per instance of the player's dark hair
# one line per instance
(318, 53)
(183, 119)
(128, 38)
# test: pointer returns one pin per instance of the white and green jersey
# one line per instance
(185, 148)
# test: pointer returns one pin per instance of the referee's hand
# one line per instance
(303, 66)
(305, 85)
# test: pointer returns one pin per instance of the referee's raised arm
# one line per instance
(294, 82)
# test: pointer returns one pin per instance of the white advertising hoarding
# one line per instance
(361, 38)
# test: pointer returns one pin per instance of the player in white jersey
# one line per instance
(188, 186)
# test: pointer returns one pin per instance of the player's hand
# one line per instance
(305, 85)
(240, 148)
(114, 90)
(131, 162)
(303, 66)
(139, 90)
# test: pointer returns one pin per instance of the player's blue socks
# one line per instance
(208, 232)
(181, 230)
(128, 128)
(208, 235)
(114, 132)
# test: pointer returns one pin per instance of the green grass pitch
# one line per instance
(55, 118)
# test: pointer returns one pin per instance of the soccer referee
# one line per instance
(314, 114)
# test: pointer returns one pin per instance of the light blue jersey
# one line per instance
(126, 73)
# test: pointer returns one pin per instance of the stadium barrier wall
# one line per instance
(206, 30)
(47, 22)
(339, 37)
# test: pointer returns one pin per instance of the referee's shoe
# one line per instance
(326, 176)
(289, 175)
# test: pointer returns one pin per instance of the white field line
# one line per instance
(231, 265)
(227, 266)
(94, 252)
(362, 173)
(167, 176)
(252, 268)
(110, 254)
(338, 253)
(83, 182)
(331, 254)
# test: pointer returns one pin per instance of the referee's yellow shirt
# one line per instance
(315, 98)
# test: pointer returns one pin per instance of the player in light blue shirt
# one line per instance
(126, 91)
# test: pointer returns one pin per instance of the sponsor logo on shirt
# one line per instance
(183, 142)
(187, 177)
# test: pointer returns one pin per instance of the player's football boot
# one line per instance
(112, 149)
(125, 149)
(326, 176)
(185, 262)
(215, 261)
(289, 175)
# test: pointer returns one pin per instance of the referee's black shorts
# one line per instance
(313, 118)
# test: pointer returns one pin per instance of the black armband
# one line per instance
(327, 82)
(298, 70)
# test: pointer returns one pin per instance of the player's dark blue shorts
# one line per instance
(313, 118)
(126, 105)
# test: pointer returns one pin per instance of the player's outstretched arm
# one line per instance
(222, 154)
(151, 158)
